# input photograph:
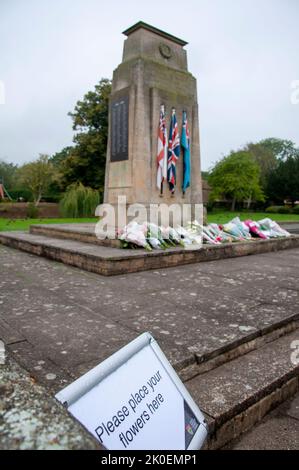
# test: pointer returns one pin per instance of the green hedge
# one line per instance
(278, 210)
(24, 193)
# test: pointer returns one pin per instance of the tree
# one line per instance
(237, 177)
(8, 174)
(268, 153)
(59, 157)
(205, 175)
(280, 148)
(37, 176)
(265, 157)
(86, 161)
(283, 181)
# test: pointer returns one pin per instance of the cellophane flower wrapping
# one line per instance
(150, 236)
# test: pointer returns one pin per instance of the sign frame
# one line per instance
(73, 392)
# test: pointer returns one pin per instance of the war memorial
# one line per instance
(225, 320)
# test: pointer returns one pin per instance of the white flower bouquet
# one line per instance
(133, 235)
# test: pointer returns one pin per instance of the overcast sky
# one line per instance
(243, 53)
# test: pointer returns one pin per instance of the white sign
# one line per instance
(135, 400)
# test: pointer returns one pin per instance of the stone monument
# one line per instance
(153, 72)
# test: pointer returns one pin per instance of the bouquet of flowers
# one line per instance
(133, 235)
(273, 228)
(242, 227)
(173, 236)
(150, 236)
(255, 229)
(211, 235)
(233, 230)
(195, 232)
(186, 237)
(155, 237)
(220, 235)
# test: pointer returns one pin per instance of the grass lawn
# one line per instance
(221, 216)
(217, 216)
(23, 224)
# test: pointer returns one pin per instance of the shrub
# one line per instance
(278, 210)
(79, 201)
(32, 211)
(210, 206)
(296, 210)
(51, 198)
(22, 193)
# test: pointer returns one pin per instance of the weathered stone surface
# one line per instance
(244, 381)
(278, 431)
(40, 366)
(60, 315)
(195, 315)
(293, 410)
(31, 419)
(111, 261)
(148, 79)
(80, 232)
(8, 334)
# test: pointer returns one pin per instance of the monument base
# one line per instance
(78, 246)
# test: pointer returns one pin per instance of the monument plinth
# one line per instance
(153, 72)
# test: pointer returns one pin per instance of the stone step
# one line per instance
(79, 232)
(85, 232)
(111, 261)
(237, 395)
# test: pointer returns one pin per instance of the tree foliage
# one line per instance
(236, 177)
(280, 148)
(85, 162)
(283, 181)
(37, 177)
(8, 174)
(266, 159)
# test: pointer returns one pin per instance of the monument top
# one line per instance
(152, 29)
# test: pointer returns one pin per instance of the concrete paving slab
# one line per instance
(65, 311)
(272, 434)
(41, 368)
(60, 315)
(293, 411)
(278, 431)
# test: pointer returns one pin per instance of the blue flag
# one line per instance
(185, 143)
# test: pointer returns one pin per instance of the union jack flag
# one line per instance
(162, 151)
(173, 151)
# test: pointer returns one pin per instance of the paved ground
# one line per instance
(278, 431)
(73, 319)
(292, 227)
(59, 321)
